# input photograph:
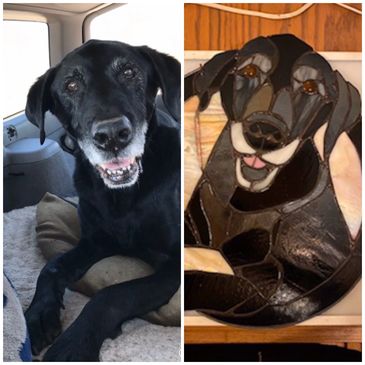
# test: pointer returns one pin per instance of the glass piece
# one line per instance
(322, 183)
(310, 242)
(263, 62)
(240, 179)
(319, 140)
(310, 87)
(304, 73)
(355, 108)
(195, 211)
(221, 163)
(283, 107)
(338, 116)
(215, 291)
(248, 247)
(265, 184)
(238, 140)
(250, 71)
(260, 45)
(244, 89)
(245, 63)
(260, 101)
(345, 168)
(202, 259)
(305, 108)
(282, 155)
(253, 174)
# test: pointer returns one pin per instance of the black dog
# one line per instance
(128, 181)
(267, 200)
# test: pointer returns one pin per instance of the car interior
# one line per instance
(32, 169)
(37, 36)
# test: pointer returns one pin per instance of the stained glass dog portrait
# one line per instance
(279, 200)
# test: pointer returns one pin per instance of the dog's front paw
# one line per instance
(43, 322)
(74, 345)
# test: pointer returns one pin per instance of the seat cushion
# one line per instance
(58, 231)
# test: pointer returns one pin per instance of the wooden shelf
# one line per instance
(204, 331)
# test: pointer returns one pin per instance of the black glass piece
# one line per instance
(273, 217)
(247, 247)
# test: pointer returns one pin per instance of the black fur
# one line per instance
(142, 220)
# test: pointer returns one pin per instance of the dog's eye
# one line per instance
(310, 87)
(128, 72)
(72, 86)
(249, 71)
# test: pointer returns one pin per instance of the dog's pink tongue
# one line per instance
(254, 161)
(117, 164)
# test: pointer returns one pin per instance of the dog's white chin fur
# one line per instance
(135, 148)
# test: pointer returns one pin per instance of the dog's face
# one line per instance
(277, 92)
(104, 95)
(277, 100)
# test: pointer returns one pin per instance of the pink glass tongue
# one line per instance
(254, 161)
(117, 164)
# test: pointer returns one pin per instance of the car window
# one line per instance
(147, 23)
(25, 57)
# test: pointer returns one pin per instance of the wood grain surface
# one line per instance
(327, 27)
(294, 334)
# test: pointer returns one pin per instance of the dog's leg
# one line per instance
(43, 315)
(103, 315)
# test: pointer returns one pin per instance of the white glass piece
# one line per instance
(263, 62)
(205, 259)
(304, 73)
(345, 169)
(279, 157)
(241, 180)
(265, 183)
(238, 140)
(319, 139)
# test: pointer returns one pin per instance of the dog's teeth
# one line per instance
(108, 172)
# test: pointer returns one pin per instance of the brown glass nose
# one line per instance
(263, 135)
(112, 135)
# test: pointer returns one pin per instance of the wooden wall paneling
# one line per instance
(327, 27)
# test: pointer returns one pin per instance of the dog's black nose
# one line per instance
(263, 135)
(112, 134)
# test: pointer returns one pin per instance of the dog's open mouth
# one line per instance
(254, 162)
(120, 171)
(253, 168)
(253, 173)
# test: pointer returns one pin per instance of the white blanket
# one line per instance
(140, 340)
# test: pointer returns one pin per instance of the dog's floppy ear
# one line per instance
(207, 80)
(168, 77)
(39, 101)
(346, 113)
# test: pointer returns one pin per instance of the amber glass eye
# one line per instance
(310, 87)
(72, 86)
(249, 71)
